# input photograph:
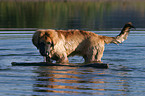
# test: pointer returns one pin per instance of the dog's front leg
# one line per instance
(63, 58)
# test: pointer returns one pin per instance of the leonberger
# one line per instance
(60, 44)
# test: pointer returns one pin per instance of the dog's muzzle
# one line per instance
(44, 49)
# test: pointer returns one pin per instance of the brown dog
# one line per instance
(60, 44)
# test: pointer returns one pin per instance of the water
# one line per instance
(125, 77)
(100, 14)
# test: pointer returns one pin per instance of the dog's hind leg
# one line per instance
(99, 55)
(90, 57)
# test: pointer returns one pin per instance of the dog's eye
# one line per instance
(48, 43)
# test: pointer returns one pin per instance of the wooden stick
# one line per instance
(95, 65)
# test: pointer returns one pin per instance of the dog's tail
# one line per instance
(121, 37)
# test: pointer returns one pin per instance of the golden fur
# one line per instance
(65, 43)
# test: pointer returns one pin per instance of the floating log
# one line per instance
(95, 65)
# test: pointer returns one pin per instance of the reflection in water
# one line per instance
(78, 81)
(100, 14)
(65, 80)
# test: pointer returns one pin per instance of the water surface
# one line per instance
(100, 14)
(125, 77)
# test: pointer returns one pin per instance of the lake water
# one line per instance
(125, 77)
(100, 14)
(126, 73)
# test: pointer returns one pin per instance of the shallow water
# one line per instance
(125, 77)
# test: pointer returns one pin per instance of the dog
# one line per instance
(60, 44)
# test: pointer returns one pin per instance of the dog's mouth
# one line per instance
(47, 59)
(44, 50)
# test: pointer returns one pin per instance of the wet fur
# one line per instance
(77, 42)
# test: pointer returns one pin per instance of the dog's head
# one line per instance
(45, 41)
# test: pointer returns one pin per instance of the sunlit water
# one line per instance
(125, 77)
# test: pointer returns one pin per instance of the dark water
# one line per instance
(125, 77)
(100, 14)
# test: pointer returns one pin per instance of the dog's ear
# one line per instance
(53, 35)
(36, 37)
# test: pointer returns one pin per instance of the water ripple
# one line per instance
(125, 76)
